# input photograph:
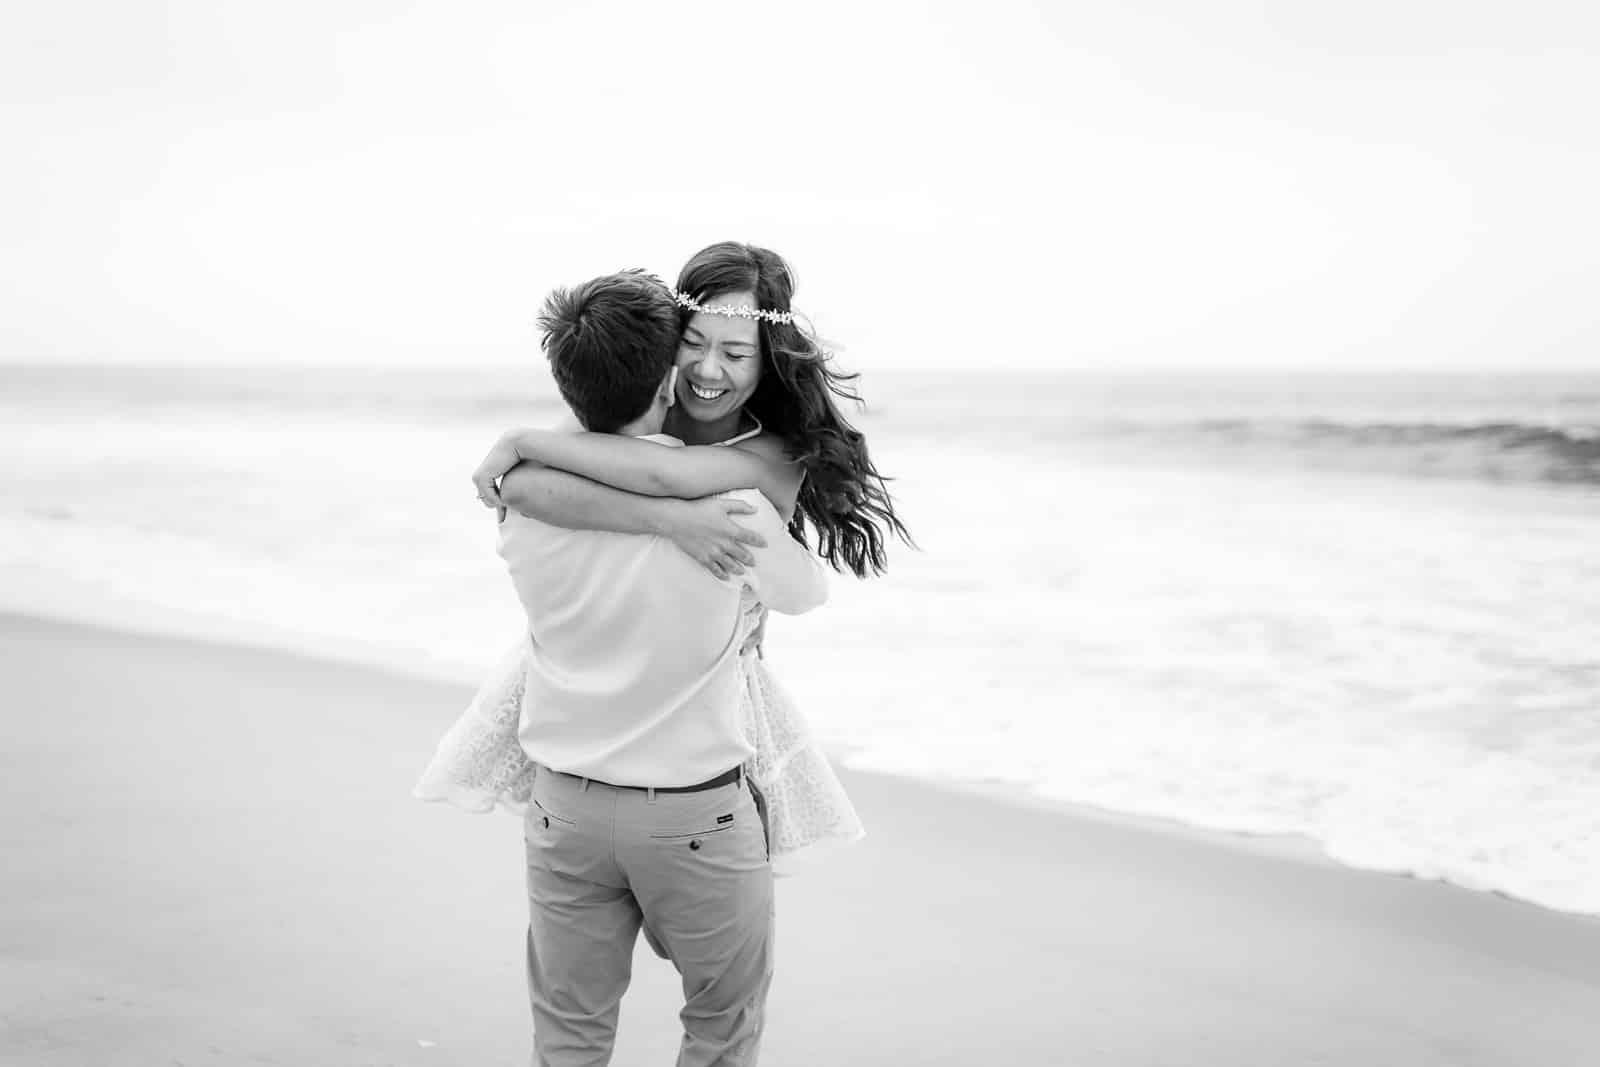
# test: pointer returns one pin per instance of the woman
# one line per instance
(754, 383)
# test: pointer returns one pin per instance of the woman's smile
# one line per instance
(705, 394)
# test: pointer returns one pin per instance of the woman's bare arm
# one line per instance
(645, 467)
(705, 529)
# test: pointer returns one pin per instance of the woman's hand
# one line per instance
(707, 531)
(501, 458)
(758, 633)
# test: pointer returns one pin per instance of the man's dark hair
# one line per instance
(610, 341)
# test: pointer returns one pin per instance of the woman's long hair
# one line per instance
(843, 497)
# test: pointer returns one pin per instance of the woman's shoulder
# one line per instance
(787, 473)
(768, 446)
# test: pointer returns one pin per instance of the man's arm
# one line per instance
(786, 577)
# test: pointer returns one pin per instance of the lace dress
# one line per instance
(480, 766)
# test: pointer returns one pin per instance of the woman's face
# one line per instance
(719, 360)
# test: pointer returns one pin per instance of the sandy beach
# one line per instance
(212, 857)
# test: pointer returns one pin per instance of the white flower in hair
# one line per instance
(741, 311)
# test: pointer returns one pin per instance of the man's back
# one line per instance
(635, 676)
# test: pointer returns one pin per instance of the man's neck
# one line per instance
(644, 426)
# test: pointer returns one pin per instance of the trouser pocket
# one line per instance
(547, 818)
(719, 824)
(761, 812)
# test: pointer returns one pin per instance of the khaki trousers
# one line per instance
(691, 869)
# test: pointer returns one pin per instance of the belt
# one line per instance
(725, 778)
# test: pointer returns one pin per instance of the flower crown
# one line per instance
(684, 300)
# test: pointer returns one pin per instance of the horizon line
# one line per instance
(1140, 369)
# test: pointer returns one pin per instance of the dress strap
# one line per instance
(736, 438)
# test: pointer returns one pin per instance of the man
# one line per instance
(641, 815)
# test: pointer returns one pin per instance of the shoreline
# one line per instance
(179, 625)
(218, 860)
(85, 609)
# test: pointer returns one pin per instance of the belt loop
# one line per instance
(650, 795)
(586, 782)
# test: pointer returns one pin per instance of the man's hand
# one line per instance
(501, 458)
(707, 531)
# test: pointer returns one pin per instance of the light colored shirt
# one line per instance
(634, 677)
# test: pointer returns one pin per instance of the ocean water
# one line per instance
(1360, 609)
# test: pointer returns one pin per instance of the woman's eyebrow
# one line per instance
(695, 335)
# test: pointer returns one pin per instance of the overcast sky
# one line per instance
(1161, 183)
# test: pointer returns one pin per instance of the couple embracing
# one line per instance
(661, 771)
